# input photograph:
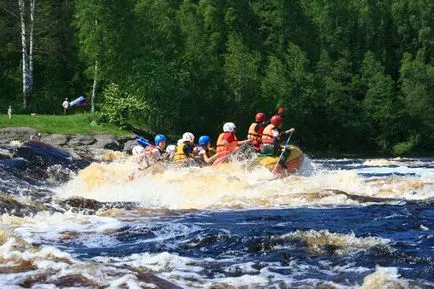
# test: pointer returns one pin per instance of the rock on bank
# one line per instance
(72, 143)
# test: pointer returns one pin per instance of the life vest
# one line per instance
(267, 135)
(180, 156)
(255, 136)
(221, 148)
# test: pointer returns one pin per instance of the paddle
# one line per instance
(221, 159)
(281, 155)
(144, 142)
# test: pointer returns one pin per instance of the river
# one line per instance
(339, 223)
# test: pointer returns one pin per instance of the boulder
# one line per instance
(81, 140)
(9, 134)
(128, 146)
(55, 139)
(106, 142)
(80, 203)
(8, 205)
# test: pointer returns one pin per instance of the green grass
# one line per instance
(63, 124)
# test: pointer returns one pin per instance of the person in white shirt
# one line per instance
(10, 112)
(65, 105)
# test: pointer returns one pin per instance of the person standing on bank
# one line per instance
(10, 112)
(65, 105)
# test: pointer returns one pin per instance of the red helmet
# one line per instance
(276, 120)
(260, 117)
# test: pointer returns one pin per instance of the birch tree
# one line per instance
(90, 37)
(27, 19)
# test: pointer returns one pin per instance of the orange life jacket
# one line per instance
(221, 148)
(255, 136)
(267, 135)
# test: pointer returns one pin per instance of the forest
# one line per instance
(354, 76)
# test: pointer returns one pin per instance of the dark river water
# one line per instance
(339, 223)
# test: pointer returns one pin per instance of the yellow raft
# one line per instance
(293, 163)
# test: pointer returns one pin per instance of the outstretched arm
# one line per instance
(241, 142)
(289, 131)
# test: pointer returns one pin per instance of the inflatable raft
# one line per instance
(293, 162)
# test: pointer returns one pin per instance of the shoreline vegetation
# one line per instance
(84, 124)
(354, 77)
(88, 124)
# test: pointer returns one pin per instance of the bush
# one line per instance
(118, 107)
(404, 148)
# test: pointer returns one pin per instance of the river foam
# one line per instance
(233, 186)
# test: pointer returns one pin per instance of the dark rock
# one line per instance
(41, 155)
(81, 140)
(55, 139)
(81, 204)
(128, 146)
(12, 207)
(90, 206)
(161, 283)
(16, 133)
(106, 142)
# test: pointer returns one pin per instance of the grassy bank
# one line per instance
(63, 124)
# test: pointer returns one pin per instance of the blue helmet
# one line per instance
(159, 138)
(204, 140)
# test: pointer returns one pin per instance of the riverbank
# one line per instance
(78, 133)
(82, 123)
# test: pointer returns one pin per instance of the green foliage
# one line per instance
(417, 86)
(242, 70)
(353, 76)
(80, 123)
(406, 147)
(118, 106)
(275, 87)
(379, 101)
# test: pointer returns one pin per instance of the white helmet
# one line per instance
(170, 149)
(229, 127)
(188, 136)
(180, 141)
(138, 149)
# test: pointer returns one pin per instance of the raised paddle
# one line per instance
(283, 151)
(144, 142)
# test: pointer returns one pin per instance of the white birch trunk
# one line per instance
(27, 48)
(95, 78)
(32, 21)
(21, 5)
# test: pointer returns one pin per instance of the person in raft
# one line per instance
(257, 128)
(205, 153)
(150, 154)
(227, 141)
(170, 152)
(157, 151)
(184, 152)
(271, 140)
